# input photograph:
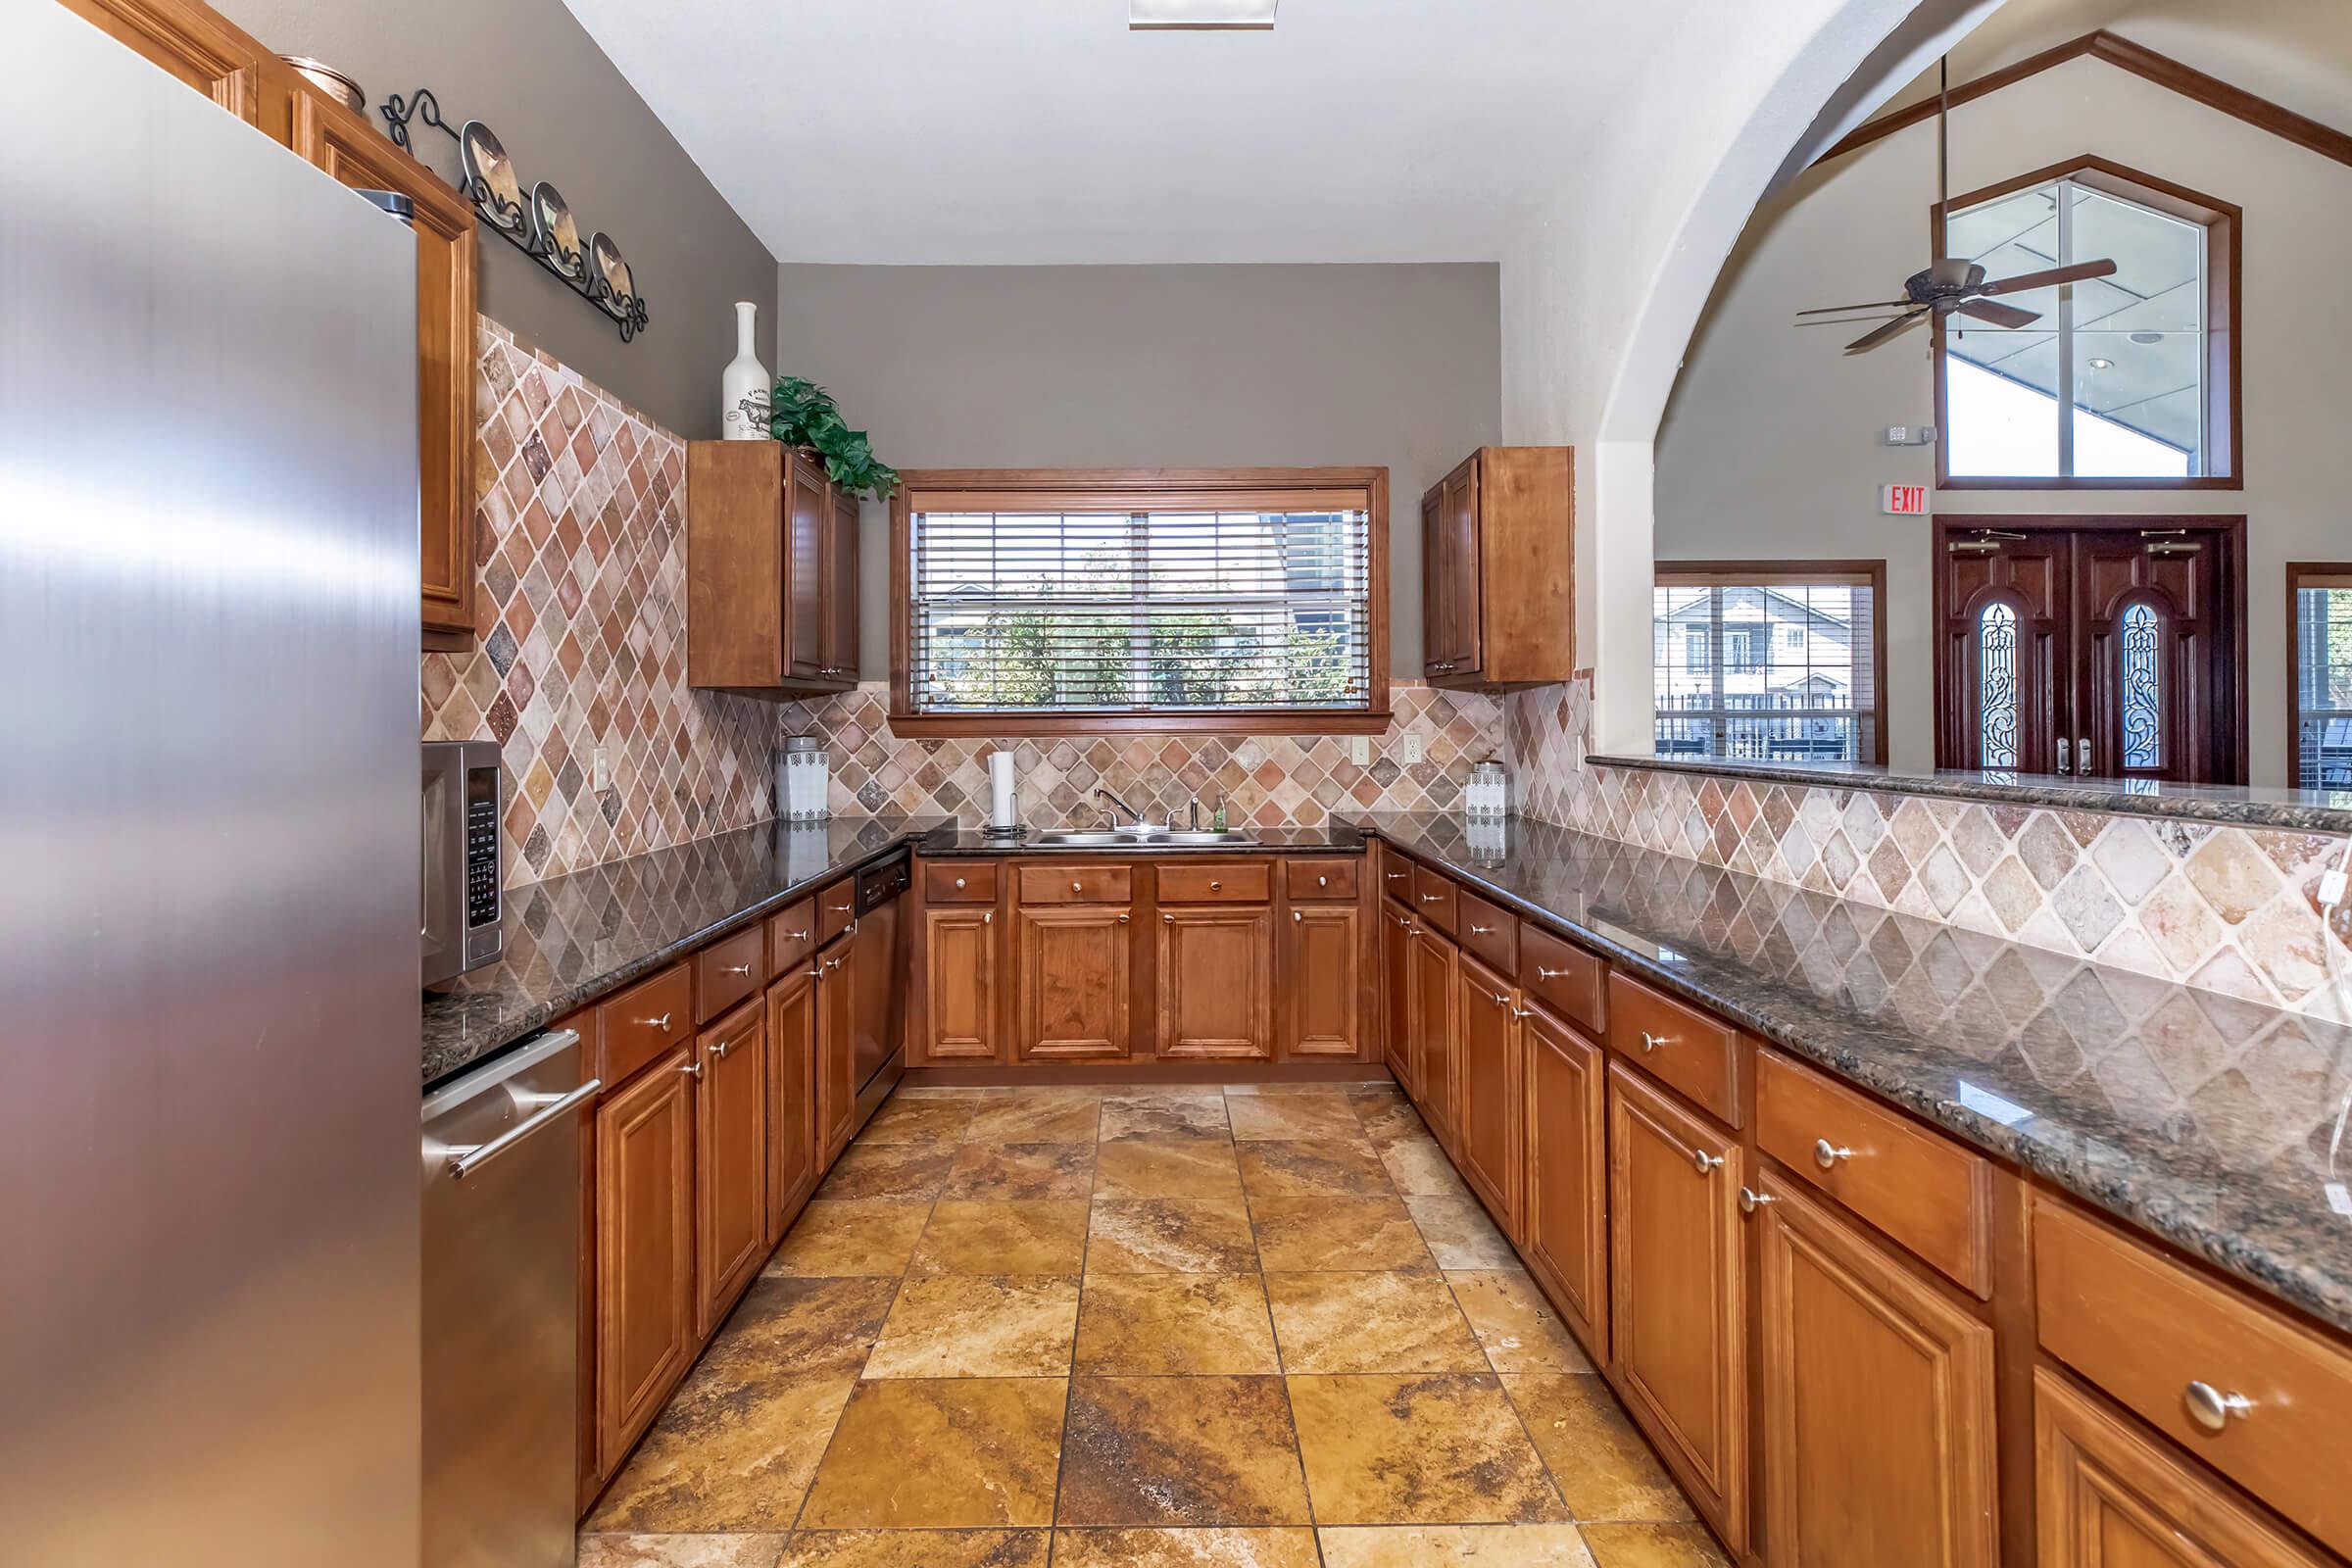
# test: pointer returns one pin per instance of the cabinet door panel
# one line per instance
(836, 1048)
(960, 945)
(1485, 1109)
(1677, 1292)
(1397, 998)
(1323, 981)
(1216, 982)
(730, 1160)
(644, 1249)
(1074, 981)
(1434, 963)
(1565, 1222)
(1877, 1402)
(792, 1140)
(808, 523)
(838, 640)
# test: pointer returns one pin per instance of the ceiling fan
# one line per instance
(1950, 285)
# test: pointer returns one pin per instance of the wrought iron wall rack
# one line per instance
(514, 222)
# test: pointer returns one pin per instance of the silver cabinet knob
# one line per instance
(1296, 915)
(1651, 1042)
(1167, 919)
(660, 1024)
(1433, 897)
(840, 909)
(1703, 1162)
(719, 1049)
(692, 1070)
(1477, 930)
(1750, 1200)
(1216, 887)
(1827, 1154)
(1543, 973)
(796, 936)
(988, 917)
(2211, 1408)
(959, 884)
(1077, 887)
(736, 968)
(1399, 876)
(1122, 919)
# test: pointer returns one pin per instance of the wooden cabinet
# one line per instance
(1877, 1395)
(645, 1222)
(1322, 981)
(1072, 980)
(771, 572)
(191, 42)
(1677, 1292)
(2109, 1495)
(836, 1047)
(1487, 1095)
(1498, 570)
(793, 1149)
(1399, 1033)
(1216, 981)
(730, 1160)
(1565, 1217)
(959, 984)
(1435, 965)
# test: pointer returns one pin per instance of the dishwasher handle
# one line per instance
(463, 1162)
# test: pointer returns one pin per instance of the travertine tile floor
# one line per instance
(1242, 1328)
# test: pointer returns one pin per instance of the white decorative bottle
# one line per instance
(743, 387)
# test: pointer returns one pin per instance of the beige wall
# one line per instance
(565, 115)
(1769, 448)
(1015, 367)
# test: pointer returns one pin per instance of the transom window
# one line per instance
(1078, 601)
(2319, 742)
(1777, 661)
(2122, 380)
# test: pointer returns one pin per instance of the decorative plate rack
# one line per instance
(527, 221)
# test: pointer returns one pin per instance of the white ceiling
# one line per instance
(937, 132)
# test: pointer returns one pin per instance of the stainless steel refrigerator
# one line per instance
(208, 834)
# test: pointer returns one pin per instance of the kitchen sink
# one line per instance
(1158, 839)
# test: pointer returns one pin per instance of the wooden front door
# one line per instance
(2095, 646)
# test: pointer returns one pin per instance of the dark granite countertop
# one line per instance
(2215, 1123)
(2297, 810)
(571, 939)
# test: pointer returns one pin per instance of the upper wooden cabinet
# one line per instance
(1498, 570)
(191, 42)
(771, 570)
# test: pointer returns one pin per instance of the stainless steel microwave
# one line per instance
(460, 898)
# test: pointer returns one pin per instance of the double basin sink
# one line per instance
(1133, 839)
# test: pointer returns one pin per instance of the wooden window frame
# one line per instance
(2225, 272)
(2301, 574)
(1139, 484)
(1773, 573)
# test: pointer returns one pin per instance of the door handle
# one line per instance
(2082, 758)
(463, 1162)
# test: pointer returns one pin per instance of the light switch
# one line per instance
(1359, 750)
(599, 771)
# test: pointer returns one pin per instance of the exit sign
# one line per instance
(1903, 500)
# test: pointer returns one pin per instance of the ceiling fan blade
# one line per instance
(1871, 340)
(2008, 316)
(2050, 279)
(1873, 305)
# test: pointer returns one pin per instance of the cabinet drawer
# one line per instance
(1396, 873)
(1434, 898)
(1927, 1192)
(1319, 879)
(961, 882)
(642, 1022)
(836, 909)
(2167, 1343)
(1077, 884)
(1562, 976)
(727, 971)
(1677, 1044)
(1491, 933)
(1216, 884)
(791, 936)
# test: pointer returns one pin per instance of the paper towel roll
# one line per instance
(999, 788)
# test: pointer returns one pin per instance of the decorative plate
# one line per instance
(488, 167)
(558, 235)
(615, 270)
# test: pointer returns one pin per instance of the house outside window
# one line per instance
(2318, 740)
(1777, 661)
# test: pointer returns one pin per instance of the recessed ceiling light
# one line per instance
(1199, 16)
(2102, 364)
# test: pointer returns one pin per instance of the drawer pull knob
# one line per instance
(840, 909)
(738, 968)
(660, 1024)
(1122, 919)
(719, 1048)
(1478, 930)
(1077, 887)
(1750, 1200)
(1827, 1154)
(692, 1070)
(1651, 1042)
(959, 884)
(1167, 919)
(796, 936)
(1543, 973)
(1703, 1162)
(1433, 897)
(1296, 915)
(2211, 1408)
(1322, 881)
(988, 917)
(1216, 887)
(1399, 876)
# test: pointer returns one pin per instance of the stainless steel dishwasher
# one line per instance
(501, 1321)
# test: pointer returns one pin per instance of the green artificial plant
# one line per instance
(802, 414)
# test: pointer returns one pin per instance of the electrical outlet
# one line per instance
(599, 771)
(1409, 749)
(1359, 750)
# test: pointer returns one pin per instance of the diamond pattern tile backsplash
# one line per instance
(2222, 909)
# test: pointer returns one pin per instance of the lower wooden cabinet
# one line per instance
(836, 1046)
(1565, 1217)
(2109, 1495)
(1431, 977)
(793, 1163)
(1072, 981)
(1877, 1395)
(959, 984)
(645, 1219)
(1216, 982)
(730, 1160)
(1322, 981)
(1677, 1292)
(1487, 1104)
(1399, 1033)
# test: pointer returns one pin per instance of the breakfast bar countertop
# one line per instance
(2217, 1124)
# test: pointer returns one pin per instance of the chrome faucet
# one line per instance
(1118, 806)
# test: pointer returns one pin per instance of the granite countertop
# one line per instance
(2235, 805)
(2218, 1124)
